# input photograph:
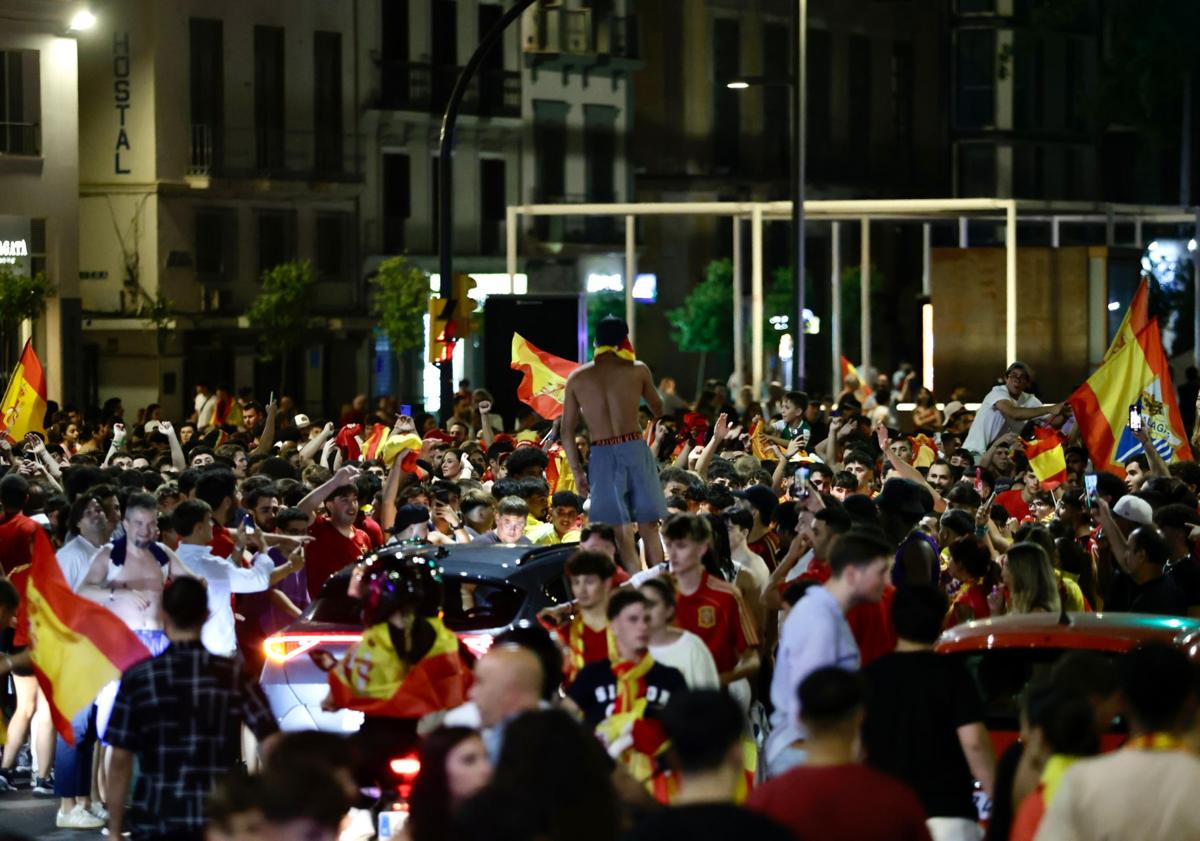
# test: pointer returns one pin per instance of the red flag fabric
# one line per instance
(1046, 456)
(77, 646)
(373, 445)
(545, 377)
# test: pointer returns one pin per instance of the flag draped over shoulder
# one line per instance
(1135, 373)
(23, 408)
(1046, 456)
(77, 646)
(863, 391)
(545, 379)
(373, 679)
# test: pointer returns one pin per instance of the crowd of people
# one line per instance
(758, 583)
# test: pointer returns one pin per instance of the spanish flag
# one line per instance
(372, 448)
(925, 450)
(227, 412)
(558, 472)
(77, 646)
(863, 391)
(24, 406)
(1135, 320)
(545, 378)
(1046, 457)
(1136, 374)
(373, 679)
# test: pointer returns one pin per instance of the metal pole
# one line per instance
(446, 180)
(739, 306)
(1137, 233)
(835, 305)
(510, 244)
(1010, 282)
(1196, 295)
(926, 249)
(865, 294)
(630, 274)
(1055, 233)
(799, 355)
(962, 232)
(756, 297)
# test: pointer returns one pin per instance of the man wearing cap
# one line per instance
(956, 420)
(621, 475)
(1006, 408)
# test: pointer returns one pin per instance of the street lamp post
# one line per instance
(800, 26)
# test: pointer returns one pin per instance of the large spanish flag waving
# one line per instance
(24, 406)
(1135, 374)
(373, 679)
(864, 390)
(545, 378)
(77, 646)
(1135, 320)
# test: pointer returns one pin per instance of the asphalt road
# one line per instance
(22, 813)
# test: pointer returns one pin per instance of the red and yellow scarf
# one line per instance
(576, 647)
(623, 350)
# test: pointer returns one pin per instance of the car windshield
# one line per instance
(468, 605)
(1001, 675)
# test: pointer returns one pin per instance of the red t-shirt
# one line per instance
(330, 551)
(827, 802)
(716, 614)
(1029, 815)
(16, 541)
(767, 548)
(1014, 504)
(871, 624)
(222, 544)
(595, 645)
(373, 529)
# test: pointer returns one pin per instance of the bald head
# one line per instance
(508, 681)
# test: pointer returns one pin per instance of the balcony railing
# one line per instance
(273, 153)
(562, 31)
(417, 86)
(21, 139)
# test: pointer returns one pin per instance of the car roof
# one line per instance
(1088, 631)
(497, 562)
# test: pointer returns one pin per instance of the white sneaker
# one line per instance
(78, 818)
(96, 808)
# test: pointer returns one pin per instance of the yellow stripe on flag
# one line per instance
(23, 408)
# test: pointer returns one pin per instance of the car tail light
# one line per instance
(283, 647)
(477, 643)
(406, 766)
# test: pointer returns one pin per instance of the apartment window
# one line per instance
(493, 183)
(902, 93)
(206, 46)
(976, 67)
(276, 238)
(600, 151)
(550, 167)
(727, 115)
(777, 108)
(327, 100)
(860, 102)
(444, 44)
(397, 200)
(1029, 171)
(1029, 81)
(216, 243)
(333, 246)
(818, 115)
(268, 97)
(393, 65)
(20, 103)
(976, 170)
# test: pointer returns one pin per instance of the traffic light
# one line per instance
(461, 286)
(441, 346)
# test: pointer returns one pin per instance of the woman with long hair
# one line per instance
(925, 414)
(454, 767)
(972, 566)
(673, 646)
(531, 797)
(1029, 579)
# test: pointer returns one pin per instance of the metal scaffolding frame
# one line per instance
(1010, 212)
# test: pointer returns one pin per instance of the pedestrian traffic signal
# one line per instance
(441, 341)
(464, 305)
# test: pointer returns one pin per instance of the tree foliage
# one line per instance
(280, 313)
(705, 321)
(22, 297)
(400, 301)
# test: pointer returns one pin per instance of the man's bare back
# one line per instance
(608, 391)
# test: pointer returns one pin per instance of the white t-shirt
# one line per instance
(989, 424)
(692, 658)
(75, 558)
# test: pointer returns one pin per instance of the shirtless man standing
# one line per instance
(622, 475)
(127, 577)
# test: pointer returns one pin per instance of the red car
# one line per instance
(1003, 654)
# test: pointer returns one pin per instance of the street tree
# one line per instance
(704, 323)
(399, 301)
(22, 298)
(281, 312)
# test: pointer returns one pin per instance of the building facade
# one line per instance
(39, 178)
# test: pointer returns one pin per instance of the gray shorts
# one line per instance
(624, 484)
(156, 642)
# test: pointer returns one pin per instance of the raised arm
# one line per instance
(177, 459)
(485, 423)
(1012, 411)
(720, 428)
(267, 439)
(317, 495)
(117, 443)
(906, 470)
(391, 485)
(309, 451)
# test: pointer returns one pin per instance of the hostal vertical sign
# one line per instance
(121, 97)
